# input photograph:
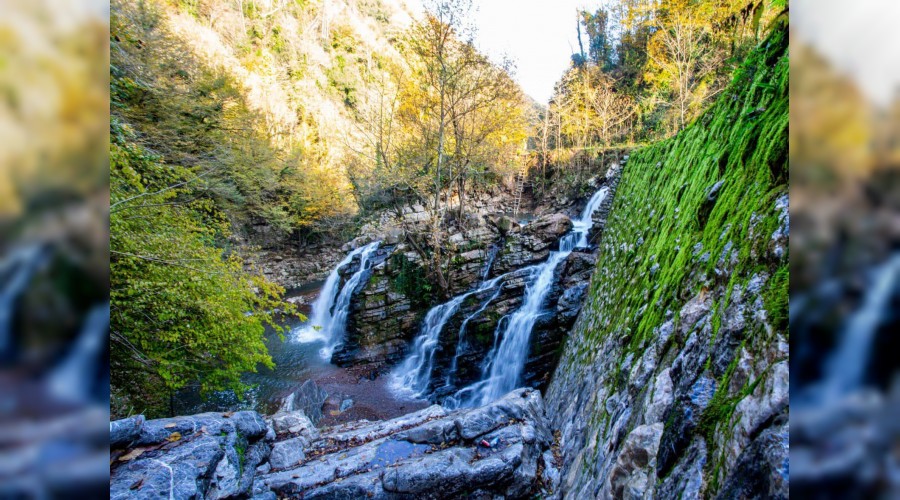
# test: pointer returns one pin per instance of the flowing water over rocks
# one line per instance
(330, 310)
(506, 361)
(413, 376)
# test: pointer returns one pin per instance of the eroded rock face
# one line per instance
(493, 450)
(210, 455)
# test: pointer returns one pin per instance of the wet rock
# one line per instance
(288, 453)
(503, 224)
(686, 478)
(308, 399)
(550, 475)
(293, 423)
(693, 311)
(661, 398)
(544, 231)
(683, 418)
(762, 468)
(570, 302)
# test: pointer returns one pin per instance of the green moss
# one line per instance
(411, 281)
(664, 200)
(775, 299)
(669, 238)
(240, 446)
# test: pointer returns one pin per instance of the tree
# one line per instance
(182, 310)
(446, 119)
(682, 57)
(597, 27)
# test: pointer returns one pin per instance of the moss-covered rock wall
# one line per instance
(674, 381)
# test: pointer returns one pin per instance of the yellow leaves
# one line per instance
(175, 436)
(131, 455)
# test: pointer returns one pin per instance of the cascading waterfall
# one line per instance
(412, 377)
(492, 254)
(845, 369)
(329, 312)
(506, 361)
(460, 343)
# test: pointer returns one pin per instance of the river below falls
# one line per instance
(295, 363)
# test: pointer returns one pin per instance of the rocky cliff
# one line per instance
(386, 312)
(674, 380)
(494, 254)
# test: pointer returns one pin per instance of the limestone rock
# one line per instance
(495, 448)
(211, 455)
(634, 473)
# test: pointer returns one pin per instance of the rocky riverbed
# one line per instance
(501, 450)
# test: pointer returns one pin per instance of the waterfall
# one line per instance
(845, 369)
(492, 254)
(412, 377)
(329, 312)
(462, 332)
(506, 361)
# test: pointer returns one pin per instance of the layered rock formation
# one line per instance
(387, 310)
(501, 450)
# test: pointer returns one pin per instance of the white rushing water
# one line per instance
(412, 377)
(505, 363)
(460, 342)
(845, 370)
(329, 312)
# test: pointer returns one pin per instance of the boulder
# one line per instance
(210, 455)
(125, 431)
(308, 400)
(545, 231)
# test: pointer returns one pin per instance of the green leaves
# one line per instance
(180, 306)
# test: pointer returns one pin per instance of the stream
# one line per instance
(297, 361)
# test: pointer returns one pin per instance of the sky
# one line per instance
(863, 41)
(539, 35)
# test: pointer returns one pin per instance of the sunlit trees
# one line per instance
(435, 126)
(682, 57)
(650, 67)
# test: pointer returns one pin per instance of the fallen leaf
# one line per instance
(169, 426)
(175, 436)
(137, 484)
(131, 455)
(228, 414)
